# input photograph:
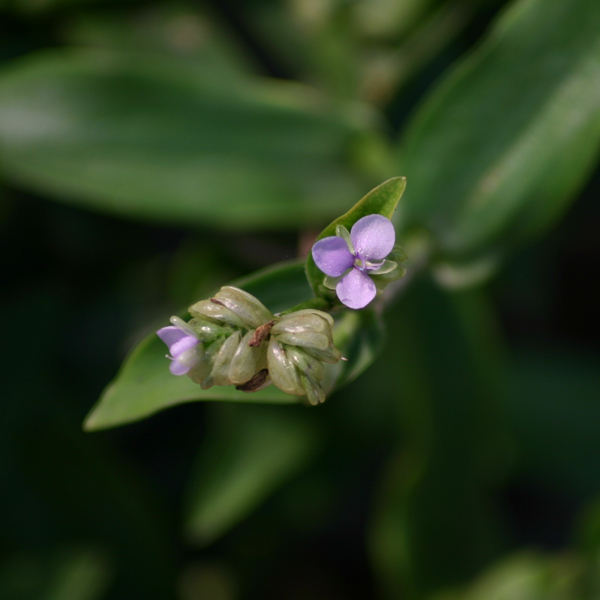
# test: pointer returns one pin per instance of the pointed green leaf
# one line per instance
(156, 139)
(382, 200)
(529, 575)
(144, 385)
(502, 145)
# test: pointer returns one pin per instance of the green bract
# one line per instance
(244, 344)
(145, 385)
(300, 342)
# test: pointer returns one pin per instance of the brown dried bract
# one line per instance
(261, 334)
(255, 383)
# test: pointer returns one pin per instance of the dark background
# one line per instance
(99, 515)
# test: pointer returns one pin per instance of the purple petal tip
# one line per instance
(373, 237)
(356, 289)
(332, 256)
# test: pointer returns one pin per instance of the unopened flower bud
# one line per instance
(233, 306)
(222, 361)
(300, 342)
(331, 356)
(306, 364)
(247, 360)
(314, 392)
(217, 311)
(208, 331)
(282, 371)
(248, 308)
(307, 328)
(295, 372)
(201, 372)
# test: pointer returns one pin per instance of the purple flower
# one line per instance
(182, 345)
(351, 257)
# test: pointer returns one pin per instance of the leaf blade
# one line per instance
(157, 140)
(499, 148)
(145, 386)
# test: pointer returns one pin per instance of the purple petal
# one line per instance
(185, 343)
(332, 256)
(171, 335)
(373, 237)
(356, 289)
(185, 361)
(178, 368)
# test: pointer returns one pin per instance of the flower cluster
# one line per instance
(233, 339)
(353, 261)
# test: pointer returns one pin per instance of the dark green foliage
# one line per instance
(152, 153)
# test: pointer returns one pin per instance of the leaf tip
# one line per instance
(89, 423)
(94, 420)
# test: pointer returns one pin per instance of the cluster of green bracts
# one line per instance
(242, 343)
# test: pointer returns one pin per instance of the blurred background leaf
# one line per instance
(435, 523)
(185, 33)
(151, 138)
(248, 454)
(61, 486)
(500, 147)
(71, 573)
(552, 405)
(463, 463)
(527, 576)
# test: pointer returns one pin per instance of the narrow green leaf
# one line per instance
(70, 572)
(249, 453)
(381, 200)
(501, 146)
(144, 385)
(529, 576)
(154, 139)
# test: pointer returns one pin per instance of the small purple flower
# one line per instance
(350, 257)
(182, 346)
